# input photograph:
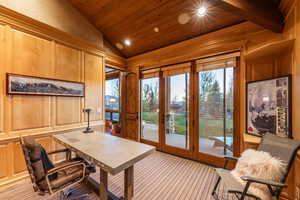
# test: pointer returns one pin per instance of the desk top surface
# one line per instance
(110, 153)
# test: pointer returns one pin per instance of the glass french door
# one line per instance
(164, 105)
(188, 110)
(216, 129)
(176, 123)
(149, 122)
(216, 112)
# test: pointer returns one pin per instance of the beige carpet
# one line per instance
(158, 177)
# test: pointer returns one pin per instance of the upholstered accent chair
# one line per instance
(66, 173)
(284, 149)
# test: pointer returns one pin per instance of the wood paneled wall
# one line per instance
(245, 37)
(39, 52)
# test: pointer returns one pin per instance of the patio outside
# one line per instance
(215, 117)
(206, 145)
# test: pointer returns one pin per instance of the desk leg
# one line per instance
(128, 183)
(103, 185)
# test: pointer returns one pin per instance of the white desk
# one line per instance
(112, 154)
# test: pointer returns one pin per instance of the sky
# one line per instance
(109, 86)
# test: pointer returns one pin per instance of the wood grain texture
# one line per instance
(131, 107)
(31, 48)
(117, 23)
(262, 12)
(268, 66)
(295, 21)
(19, 161)
(2, 76)
(115, 61)
(67, 63)
(5, 165)
(94, 73)
(68, 110)
(30, 112)
(286, 6)
(68, 66)
(224, 40)
(31, 55)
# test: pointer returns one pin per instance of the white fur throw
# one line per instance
(262, 165)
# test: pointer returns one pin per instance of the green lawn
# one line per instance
(208, 127)
(150, 117)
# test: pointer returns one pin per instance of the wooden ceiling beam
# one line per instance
(261, 12)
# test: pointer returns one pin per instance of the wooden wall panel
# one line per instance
(270, 67)
(38, 50)
(68, 110)
(94, 91)
(29, 112)
(285, 64)
(19, 161)
(31, 55)
(260, 71)
(4, 167)
(2, 77)
(67, 63)
(68, 66)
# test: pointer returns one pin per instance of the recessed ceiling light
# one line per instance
(156, 29)
(184, 18)
(201, 12)
(119, 45)
(127, 42)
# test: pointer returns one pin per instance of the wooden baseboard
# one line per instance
(11, 181)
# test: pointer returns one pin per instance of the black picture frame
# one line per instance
(17, 84)
(271, 106)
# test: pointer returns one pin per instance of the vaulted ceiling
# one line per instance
(152, 24)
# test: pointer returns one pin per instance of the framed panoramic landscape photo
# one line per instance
(28, 85)
(269, 107)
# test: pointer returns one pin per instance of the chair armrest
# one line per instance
(261, 181)
(65, 166)
(58, 151)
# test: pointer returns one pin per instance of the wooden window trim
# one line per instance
(177, 69)
(112, 75)
(151, 73)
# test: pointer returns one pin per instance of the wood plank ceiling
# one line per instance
(139, 20)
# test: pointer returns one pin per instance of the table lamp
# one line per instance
(88, 128)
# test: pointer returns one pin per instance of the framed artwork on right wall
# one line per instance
(269, 107)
